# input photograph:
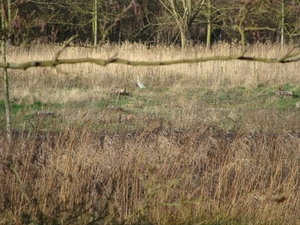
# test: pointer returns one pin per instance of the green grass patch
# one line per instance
(221, 105)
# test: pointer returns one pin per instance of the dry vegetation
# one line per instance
(204, 143)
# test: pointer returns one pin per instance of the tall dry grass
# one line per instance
(210, 171)
(65, 83)
(154, 177)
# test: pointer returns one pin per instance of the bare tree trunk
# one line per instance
(282, 24)
(7, 101)
(209, 28)
(5, 31)
(184, 35)
(95, 22)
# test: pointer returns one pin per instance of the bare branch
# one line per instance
(66, 44)
(114, 60)
(243, 39)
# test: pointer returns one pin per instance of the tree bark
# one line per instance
(282, 24)
(184, 35)
(5, 22)
(95, 22)
(209, 26)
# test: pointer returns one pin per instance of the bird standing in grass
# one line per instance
(141, 85)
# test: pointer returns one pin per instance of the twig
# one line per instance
(66, 44)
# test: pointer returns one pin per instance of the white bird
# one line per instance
(141, 85)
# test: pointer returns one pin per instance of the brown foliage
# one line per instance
(157, 175)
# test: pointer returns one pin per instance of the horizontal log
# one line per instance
(113, 107)
(119, 91)
(284, 93)
(45, 113)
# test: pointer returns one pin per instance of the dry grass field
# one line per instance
(205, 143)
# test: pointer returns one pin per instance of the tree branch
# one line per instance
(113, 60)
(65, 45)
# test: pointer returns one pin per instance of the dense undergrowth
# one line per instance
(156, 176)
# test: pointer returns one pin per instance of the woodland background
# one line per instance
(161, 22)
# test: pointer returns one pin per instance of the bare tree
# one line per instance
(184, 12)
